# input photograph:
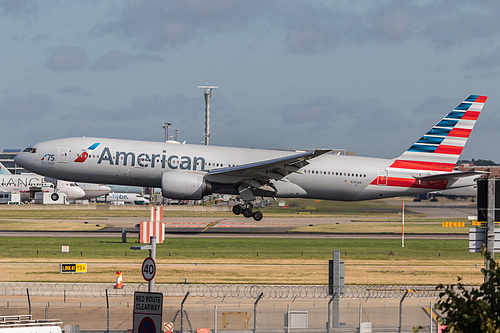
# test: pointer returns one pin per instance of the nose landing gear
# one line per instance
(247, 211)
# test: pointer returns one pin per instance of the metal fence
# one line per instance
(226, 308)
(207, 290)
(269, 317)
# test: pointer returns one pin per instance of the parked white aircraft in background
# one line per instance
(454, 193)
(93, 191)
(4, 170)
(124, 198)
(28, 184)
(185, 171)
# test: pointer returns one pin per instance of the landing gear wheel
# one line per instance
(237, 209)
(257, 216)
(247, 212)
(54, 196)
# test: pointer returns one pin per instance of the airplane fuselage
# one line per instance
(25, 184)
(141, 163)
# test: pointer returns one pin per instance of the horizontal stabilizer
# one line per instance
(450, 175)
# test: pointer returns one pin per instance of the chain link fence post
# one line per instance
(401, 310)
(255, 312)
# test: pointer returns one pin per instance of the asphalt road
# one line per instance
(269, 227)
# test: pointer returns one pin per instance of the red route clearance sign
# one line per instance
(148, 308)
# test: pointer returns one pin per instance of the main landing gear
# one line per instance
(247, 211)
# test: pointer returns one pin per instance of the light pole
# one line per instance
(207, 91)
(165, 127)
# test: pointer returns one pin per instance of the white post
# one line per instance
(288, 320)
(360, 316)
(403, 222)
(152, 254)
(430, 312)
(215, 318)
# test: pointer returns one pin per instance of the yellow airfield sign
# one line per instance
(72, 268)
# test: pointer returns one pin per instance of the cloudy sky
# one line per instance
(367, 76)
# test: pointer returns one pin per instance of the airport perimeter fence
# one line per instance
(213, 290)
(225, 308)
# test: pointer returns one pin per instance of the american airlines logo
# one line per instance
(145, 160)
(83, 156)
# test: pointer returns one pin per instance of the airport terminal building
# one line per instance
(7, 159)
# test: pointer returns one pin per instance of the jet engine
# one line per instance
(184, 185)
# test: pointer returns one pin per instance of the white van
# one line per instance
(24, 324)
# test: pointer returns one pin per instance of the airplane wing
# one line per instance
(450, 175)
(268, 169)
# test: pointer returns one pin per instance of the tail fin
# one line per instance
(4, 170)
(440, 148)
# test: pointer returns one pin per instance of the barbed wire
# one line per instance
(215, 290)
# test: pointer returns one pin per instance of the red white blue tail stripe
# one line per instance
(436, 152)
(440, 148)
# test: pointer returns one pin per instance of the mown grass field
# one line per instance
(243, 261)
(14, 248)
(288, 260)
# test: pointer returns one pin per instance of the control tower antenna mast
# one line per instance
(207, 90)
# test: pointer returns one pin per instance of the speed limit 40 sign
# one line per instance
(148, 269)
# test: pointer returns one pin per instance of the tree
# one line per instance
(474, 309)
(478, 162)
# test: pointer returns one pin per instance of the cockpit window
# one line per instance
(30, 150)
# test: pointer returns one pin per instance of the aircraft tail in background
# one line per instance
(4, 170)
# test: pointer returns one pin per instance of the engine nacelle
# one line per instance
(184, 185)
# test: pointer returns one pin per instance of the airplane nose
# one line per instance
(20, 159)
(25, 160)
(79, 192)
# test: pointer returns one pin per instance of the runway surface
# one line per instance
(269, 227)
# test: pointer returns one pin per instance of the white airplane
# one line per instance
(4, 170)
(453, 193)
(127, 198)
(186, 171)
(93, 191)
(28, 183)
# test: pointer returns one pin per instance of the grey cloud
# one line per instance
(349, 125)
(111, 60)
(312, 27)
(490, 60)
(141, 119)
(30, 106)
(309, 28)
(114, 60)
(318, 110)
(72, 90)
(40, 37)
(157, 24)
(19, 8)
(157, 107)
(67, 58)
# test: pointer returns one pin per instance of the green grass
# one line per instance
(69, 214)
(216, 248)
(340, 208)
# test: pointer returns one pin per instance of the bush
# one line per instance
(472, 309)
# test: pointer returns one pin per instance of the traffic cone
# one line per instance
(119, 280)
